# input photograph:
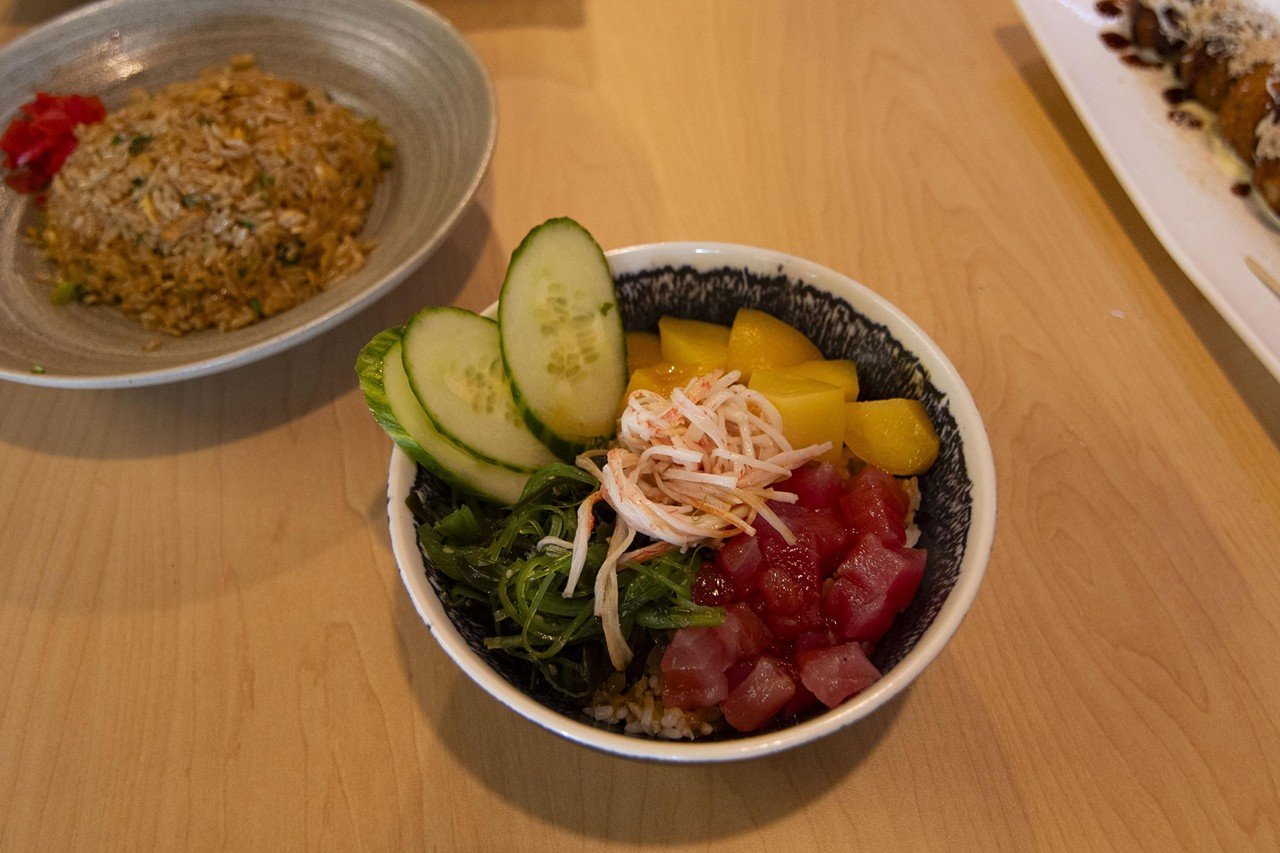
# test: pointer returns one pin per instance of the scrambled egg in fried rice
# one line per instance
(214, 202)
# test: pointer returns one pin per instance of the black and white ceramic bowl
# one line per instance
(710, 281)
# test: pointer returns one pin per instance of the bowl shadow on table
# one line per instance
(533, 777)
(237, 404)
(1242, 368)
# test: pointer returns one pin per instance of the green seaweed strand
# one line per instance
(488, 562)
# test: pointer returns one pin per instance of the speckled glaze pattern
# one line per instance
(886, 368)
(393, 60)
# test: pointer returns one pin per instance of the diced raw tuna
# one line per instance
(789, 626)
(759, 697)
(695, 648)
(690, 689)
(816, 485)
(811, 640)
(829, 536)
(785, 591)
(898, 571)
(873, 584)
(802, 618)
(741, 561)
(799, 559)
(875, 502)
(711, 588)
(818, 528)
(738, 673)
(693, 669)
(802, 701)
(834, 674)
(742, 633)
(882, 479)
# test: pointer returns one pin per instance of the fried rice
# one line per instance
(216, 201)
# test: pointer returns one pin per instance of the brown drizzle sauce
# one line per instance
(1139, 62)
(1115, 41)
(1174, 95)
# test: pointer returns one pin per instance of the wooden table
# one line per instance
(204, 641)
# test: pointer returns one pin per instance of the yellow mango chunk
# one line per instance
(895, 435)
(693, 343)
(662, 378)
(838, 372)
(812, 412)
(758, 340)
(643, 350)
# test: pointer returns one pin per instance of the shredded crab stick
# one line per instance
(692, 467)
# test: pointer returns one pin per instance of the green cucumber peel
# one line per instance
(413, 432)
(606, 368)
(453, 359)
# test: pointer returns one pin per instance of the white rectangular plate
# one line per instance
(1178, 178)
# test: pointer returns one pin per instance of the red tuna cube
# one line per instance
(759, 697)
(742, 633)
(693, 669)
(875, 502)
(836, 673)
(741, 561)
(873, 584)
(816, 528)
(816, 485)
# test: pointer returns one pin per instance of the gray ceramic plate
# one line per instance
(390, 59)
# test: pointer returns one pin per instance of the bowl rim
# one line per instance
(979, 464)
(293, 335)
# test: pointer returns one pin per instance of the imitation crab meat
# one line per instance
(687, 469)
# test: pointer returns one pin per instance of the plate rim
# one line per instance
(1150, 213)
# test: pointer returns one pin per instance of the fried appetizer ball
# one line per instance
(1147, 32)
(1205, 69)
(1266, 181)
(1248, 100)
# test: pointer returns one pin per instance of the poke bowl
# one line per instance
(895, 359)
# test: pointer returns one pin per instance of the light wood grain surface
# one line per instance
(204, 642)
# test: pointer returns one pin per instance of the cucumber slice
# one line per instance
(454, 363)
(562, 341)
(386, 390)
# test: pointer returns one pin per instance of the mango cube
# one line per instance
(662, 378)
(812, 411)
(895, 435)
(758, 340)
(693, 343)
(841, 373)
(643, 350)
